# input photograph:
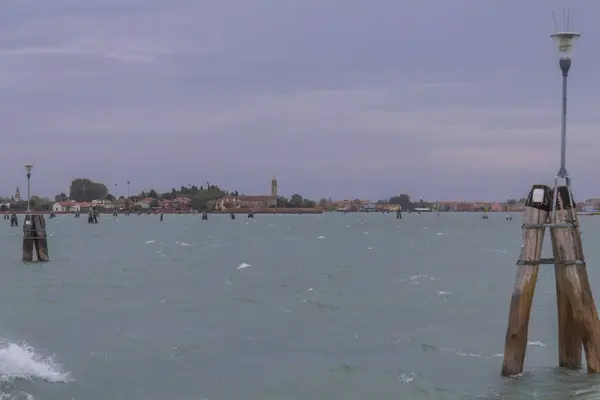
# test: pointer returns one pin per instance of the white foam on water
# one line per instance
(243, 265)
(321, 237)
(420, 278)
(404, 378)
(439, 234)
(20, 361)
(537, 343)
(16, 396)
(499, 251)
(150, 241)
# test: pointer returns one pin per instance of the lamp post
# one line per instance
(128, 190)
(28, 168)
(564, 41)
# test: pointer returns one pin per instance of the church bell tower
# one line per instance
(274, 187)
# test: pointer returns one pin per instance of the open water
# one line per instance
(356, 306)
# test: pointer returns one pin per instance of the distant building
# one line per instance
(254, 202)
(17, 195)
(274, 187)
(496, 207)
(66, 206)
(144, 205)
(103, 203)
(368, 207)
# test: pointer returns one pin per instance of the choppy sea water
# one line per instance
(355, 306)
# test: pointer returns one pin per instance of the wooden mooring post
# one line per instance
(578, 322)
(35, 238)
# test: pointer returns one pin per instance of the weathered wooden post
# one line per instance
(578, 322)
(564, 231)
(34, 237)
(28, 238)
(537, 208)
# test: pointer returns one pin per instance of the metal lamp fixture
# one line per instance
(28, 168)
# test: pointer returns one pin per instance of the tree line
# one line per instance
(201, 197)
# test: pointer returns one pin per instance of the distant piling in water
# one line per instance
(14, 220)
(92, 217)
(35, 238)
(162, 216)
(204, 216)
(232, 215)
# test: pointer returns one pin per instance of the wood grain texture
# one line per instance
(578, 324)
(535, 212)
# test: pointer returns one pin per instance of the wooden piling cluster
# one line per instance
(93, 216)
(35, 238)
(578, 324)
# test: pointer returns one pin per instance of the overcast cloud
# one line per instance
(440, 99)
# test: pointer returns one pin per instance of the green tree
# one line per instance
(402, 200)
(87, 190)
(295, 201)
(152, 193)
(61, 197)
(205, 199)
(282, 201)
(307, 203)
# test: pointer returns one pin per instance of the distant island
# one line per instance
(85, 193)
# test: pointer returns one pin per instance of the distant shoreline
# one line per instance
(182, 212)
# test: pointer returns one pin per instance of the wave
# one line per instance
(20, 361)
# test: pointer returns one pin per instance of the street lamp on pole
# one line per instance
(128, 189)
(564, 41)
(28, 168)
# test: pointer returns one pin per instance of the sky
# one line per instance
(443, 100)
